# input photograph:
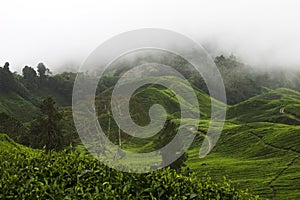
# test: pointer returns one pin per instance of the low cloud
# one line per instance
(62, 32)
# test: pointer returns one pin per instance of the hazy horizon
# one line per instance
(65, 33)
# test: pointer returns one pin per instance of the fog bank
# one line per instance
(63, 33)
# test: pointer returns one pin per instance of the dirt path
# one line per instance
(292, 116)
(289, 115)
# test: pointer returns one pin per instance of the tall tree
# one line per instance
(29, 77)
(42, 70)
(6, 66)
(7, 80)
(48, 127)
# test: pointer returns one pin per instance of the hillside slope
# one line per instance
(140, 103)
(259, 146)
(279, 106)
(18, 107)
(262, 156)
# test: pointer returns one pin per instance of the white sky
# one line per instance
(65, 32)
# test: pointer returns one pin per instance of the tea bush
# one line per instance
(27, 173)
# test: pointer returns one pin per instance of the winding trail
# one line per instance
(289, 115)
(292, 116)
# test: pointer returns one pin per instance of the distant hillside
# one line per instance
(26, 109)
(280, 106)
(18, 107)
(243, 81)
(140, 103)
(21, 95)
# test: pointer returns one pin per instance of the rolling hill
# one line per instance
(261, 156)
(258, 149)
(16, 106)
(259, 146)
(279, 106)
(26, 109)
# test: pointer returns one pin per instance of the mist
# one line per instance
(63, 33)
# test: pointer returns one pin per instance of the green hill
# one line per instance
(259, 146)
(146, 96)
(279, 106)
(26, 109)
(258, 150)
(261, 156)
(18, 107)
(140, 103)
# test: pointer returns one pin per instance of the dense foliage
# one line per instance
(47, 128)
(14, 128)
(34, 174)
(243, 81)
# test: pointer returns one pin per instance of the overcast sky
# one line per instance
(62, 33)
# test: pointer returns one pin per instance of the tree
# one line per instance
(42, 70)
(9, 82)
(48, 127)
(6, 66)
(29, 77)
(29, 73)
